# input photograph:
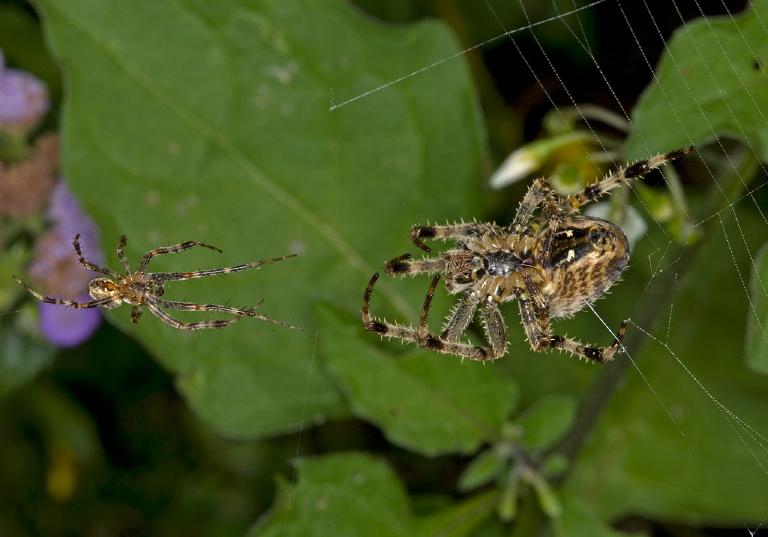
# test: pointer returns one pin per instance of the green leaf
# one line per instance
(460, 519)
(210, 121)
(546, 421)
(710, 82)
(577, 521)
(355, 494)
(339, 495)
(426, 402)
(485, 467)
(757, 317)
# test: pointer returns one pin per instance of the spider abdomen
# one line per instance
(588, 255)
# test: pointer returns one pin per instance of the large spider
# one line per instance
(142, 288)
(554, 264)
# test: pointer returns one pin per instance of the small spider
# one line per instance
(142, 288)
(553, 264)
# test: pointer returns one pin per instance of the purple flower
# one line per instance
(57, 268)
(23, 99)
(67, 327)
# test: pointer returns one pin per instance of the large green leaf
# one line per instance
(355, 494)
(710, 82)
(339, 495)
(210, 121)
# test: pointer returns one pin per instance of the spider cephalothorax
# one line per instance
(553, 263)
(142, 288)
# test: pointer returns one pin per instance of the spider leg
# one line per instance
(191, 306)
(121, 254)
(136, 311)
(539, 194)
(177, 276)
(638, 169)
(534, 313)
(64, 302)
(451, 231)
(495, 329)
(91, 266)
(383, 328)
(421, 336)
(438, 344)
(597, 354)
(535, 320)
(170, 250)
(460, 317)
(175, 323)
(406, 265)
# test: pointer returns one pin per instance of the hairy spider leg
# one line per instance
(175, 323)
(167, 250)
(91, 266)
(422, 337)
(495, 329)
(178, 276)
(375, 326)
(65, 302)
(601, 187)
(190, 306)
(450, 231)
(492, 322)
(404, 264)
(493, 325)
(460, 317)
(597, 354)
(121, 254)
(540, 194)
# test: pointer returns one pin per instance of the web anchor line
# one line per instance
(461, 53)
